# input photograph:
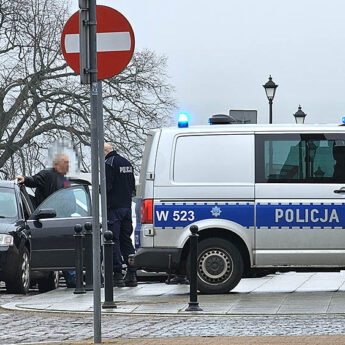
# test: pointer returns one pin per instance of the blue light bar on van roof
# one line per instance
(343, 120)
(183, 120)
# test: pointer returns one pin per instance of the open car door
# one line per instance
(52, 227)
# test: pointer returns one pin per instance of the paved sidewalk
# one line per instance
(281, 309)
(280, 294)
(295, 340)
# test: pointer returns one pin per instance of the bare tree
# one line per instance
(41, 98)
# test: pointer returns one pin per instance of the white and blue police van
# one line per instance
(264, 197)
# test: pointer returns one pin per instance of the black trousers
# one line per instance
(120, 224)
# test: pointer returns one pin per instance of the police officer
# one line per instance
(120, 189)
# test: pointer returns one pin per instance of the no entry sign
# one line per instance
(115, 42)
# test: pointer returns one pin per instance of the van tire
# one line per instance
(226, 270)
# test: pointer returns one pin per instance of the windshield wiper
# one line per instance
(3, 217)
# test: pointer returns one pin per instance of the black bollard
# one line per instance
(88, 257)
(78, 236)
(193, 292)
(108, 271)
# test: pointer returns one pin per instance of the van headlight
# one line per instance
(6, 240)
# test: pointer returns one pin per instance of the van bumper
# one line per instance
(157, 259)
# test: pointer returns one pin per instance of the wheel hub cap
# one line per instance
(25, 270)
(215, 266)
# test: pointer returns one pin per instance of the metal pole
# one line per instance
(193, 299)
(270, 102)
(95, 178)
(101, 155)
(270, 167)
(78, 237)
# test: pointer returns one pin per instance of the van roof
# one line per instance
(257, 128)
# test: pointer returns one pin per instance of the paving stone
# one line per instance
(323, 281)
(283, 283)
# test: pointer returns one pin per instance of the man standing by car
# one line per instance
(47, 182)
(120, 189)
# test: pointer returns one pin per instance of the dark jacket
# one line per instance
(46, 183)
(120, 181)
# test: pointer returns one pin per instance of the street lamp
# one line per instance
(299, 116)
(270, 88)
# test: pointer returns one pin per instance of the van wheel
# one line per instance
(20, 281)
(50, 282)
(220, 266)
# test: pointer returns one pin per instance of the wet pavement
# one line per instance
(282, 294)
(297, 304)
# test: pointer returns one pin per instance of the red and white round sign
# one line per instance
(115, 42)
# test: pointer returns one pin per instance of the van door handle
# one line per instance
(339, 191)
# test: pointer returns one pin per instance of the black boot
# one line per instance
(131, 279)
(178, 279)
(118, 280)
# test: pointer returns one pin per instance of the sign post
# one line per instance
(95, 176)
(84, 38)
(97, 43)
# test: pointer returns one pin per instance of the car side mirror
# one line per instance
(45, 213)
(20, 224)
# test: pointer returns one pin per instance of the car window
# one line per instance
(69, 202)
(8, 204)
(26, 207)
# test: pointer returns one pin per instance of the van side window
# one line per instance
(305, 158)
(210, 159)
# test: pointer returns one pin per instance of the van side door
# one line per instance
(300, 199)
(209, 180)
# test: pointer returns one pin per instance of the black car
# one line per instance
(36, 243)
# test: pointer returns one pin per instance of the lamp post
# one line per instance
(299, 115)
(270, 89)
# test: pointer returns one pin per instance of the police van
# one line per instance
(264, 197)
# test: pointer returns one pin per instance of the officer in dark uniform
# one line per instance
(120, 189)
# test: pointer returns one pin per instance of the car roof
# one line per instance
(86, 178)
(81, 178)
(7, 183)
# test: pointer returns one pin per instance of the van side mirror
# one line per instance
(45, 213)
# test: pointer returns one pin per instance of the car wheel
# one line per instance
(220, 266)
(50, 282)
(20, 282)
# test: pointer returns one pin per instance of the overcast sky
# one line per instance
(221, 52)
